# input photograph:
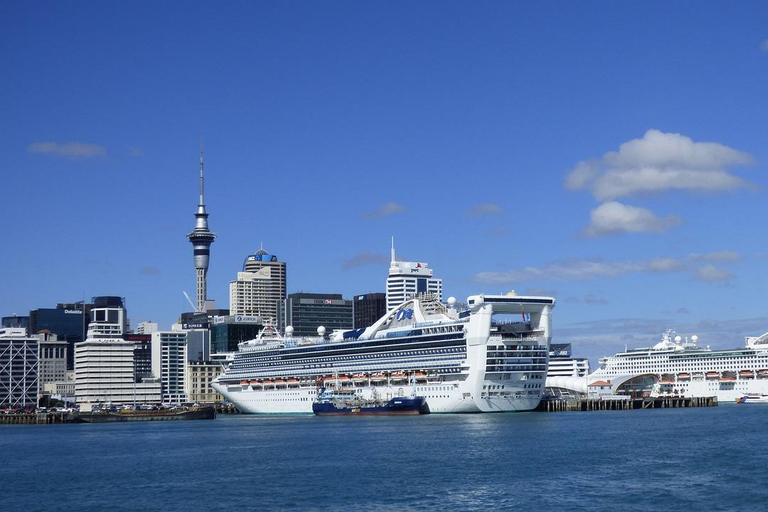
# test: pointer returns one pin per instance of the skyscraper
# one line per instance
(201, 239)
(259, 288)
(407, 278)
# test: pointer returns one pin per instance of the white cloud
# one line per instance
(385, 210)
(365, 259)
(614, 218)
(589, 300)
(711, 273)
(135, 151)
(764, 45)
(484, 209)
(659, 162)
(579, 270)
(716, 256)
(70, 149)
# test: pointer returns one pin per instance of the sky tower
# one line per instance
(201, 239)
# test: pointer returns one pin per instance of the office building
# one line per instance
(16, 321)
(228, 331)
(52, 358)
(305, 312)
(259, 288)
(19, 367)
(105, 363)
(68, 321)
(407, 278)
(200, 374)
(369, 308)
(169, 364)
(146, 327)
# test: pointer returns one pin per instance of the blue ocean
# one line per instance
(663, 459)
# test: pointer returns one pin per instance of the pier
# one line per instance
(613, 404)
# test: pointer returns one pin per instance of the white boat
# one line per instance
(752, 399)
(682, 368)
(490, 357)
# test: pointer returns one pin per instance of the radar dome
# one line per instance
(451, 301)
(694, 338)
(678, 339)
(320, 331)
(289, 330)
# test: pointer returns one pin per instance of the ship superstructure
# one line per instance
(684, 368)
(491, 357)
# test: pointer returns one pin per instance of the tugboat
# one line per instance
(346, 402)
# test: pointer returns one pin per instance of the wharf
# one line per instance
(40, 418)
(599, 404)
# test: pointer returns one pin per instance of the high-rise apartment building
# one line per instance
(169, 363)
(408, 278)
(259, 288)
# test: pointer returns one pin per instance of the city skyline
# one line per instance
(609, 155)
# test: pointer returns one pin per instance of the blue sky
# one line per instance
(612, 154)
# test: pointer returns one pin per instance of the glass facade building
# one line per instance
(305, 312)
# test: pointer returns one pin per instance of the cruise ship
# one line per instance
(683, 368)
(489, 357)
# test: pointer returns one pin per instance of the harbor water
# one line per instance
(712, 458)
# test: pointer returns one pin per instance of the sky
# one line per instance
(610, 154)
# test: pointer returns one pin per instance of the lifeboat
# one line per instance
(683, 376)
(762, 374)
(397, 376)
(292, 382)
(279, 381)
(713, 375)
(359, 378)
(268, 382)
(420, 376)
(747, 374)
(344, 380)
(245, 382)
(667, 378)
(255, 383)
(378, 377)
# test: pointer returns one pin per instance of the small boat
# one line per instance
(292, 382)
(746, 374)
(378, 377)
(359, 378)
(762, 374)
(713, 375)
(420, 376)
(397, 377)
(752, 398)
(345, 403)
(683, 376)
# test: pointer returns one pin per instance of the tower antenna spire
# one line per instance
(392, 251)
(202, 181)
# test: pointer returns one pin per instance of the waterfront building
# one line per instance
(169, 363)
(228, 331)
(561, 364)
(368, 308)
(200, 375)
(68, 321)
(16, 321)
(105, 363)
(407, 279)
(260, 288)
(201, 239)
(146, 327)
(19, 368)
(52, 359)
(305, 312)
